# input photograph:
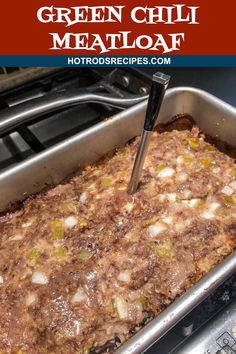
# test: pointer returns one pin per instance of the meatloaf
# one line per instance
(83, 264)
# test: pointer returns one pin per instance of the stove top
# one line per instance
(43, 132)
(197, 320)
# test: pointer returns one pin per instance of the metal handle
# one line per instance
(159, 85)
(11, 117)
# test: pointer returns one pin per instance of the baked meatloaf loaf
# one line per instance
(82, 265)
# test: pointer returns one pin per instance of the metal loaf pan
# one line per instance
(213, 116)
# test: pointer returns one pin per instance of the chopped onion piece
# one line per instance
(124, 276)
(194, 202)
(79, 296)
(216, 170)
(156, 229)
(168, 220)
(166, 172)
(162, 197)
(227, 190)
(91, 275)
(186, 193)
(180, 159)
(83, 197)
(207, 214)
(39, 278)
(27, 224)
(30, 299)
(128, 207)
(77, 331)
(233, 184)
(182, 176)
(171, 197)
(213, 206)
(1, 279)
(122, 187)
(122, 307)
(70, 222)
(179, 169)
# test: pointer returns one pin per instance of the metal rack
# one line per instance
(41, 132)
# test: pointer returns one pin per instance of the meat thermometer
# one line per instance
(160, 83)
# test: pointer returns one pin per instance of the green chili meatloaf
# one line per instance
(83, 263)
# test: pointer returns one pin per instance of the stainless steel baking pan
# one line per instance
(213, 116)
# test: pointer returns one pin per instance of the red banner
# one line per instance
(196, 27)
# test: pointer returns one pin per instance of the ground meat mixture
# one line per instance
(85, 263)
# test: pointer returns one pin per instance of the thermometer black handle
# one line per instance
(159, 85)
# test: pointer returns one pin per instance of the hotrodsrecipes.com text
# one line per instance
(119, 60)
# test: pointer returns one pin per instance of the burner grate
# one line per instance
(6, 70)
(43, 132)
(11, 77)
